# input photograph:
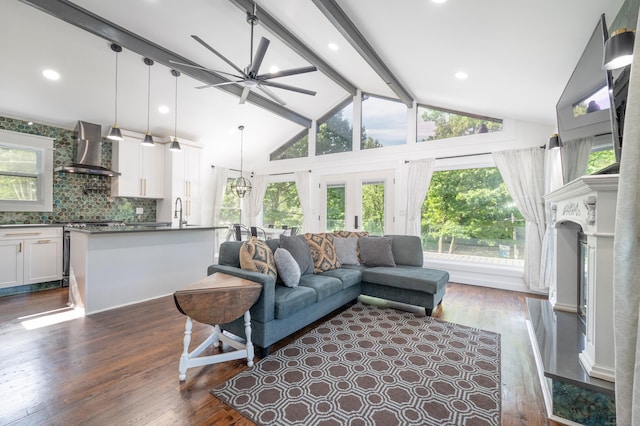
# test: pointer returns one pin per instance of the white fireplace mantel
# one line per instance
(587, 204)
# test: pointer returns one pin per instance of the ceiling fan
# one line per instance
(250, 78)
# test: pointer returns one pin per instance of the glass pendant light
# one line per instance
(175, 145)
(241, 186)
(114, 132)
(148, 139)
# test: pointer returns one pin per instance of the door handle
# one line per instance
(355, 221)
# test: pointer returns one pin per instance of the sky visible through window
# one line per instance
(384, 120)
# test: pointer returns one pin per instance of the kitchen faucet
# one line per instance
(175, 213)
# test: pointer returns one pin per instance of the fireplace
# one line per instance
(584, 222)
(583, 276)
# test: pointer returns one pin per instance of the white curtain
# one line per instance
(418, 180)
(575, 157)
(523, 173)
(253, 200)
(552, 181)
(626, 267)
(220, 175)
(304, 195)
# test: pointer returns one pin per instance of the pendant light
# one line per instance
(618, 50)
(175, 145)
(554, 142)
(114, 132)
(148, 139)
(241, 186)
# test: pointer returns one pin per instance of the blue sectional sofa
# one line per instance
(282, 310)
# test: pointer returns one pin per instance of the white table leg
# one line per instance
(184, 359)
(247, 333)
(216, 333)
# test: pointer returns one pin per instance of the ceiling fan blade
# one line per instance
(271, 95)
(245, 94)
(206, 69)
(259, 56)
(206, 86)
(202, 42)
(287, 87)
(284, 73)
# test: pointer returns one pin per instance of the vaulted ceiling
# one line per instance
(518, 57)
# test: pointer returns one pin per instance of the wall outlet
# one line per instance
(139, 210)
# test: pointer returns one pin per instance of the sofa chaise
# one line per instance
(284, 309)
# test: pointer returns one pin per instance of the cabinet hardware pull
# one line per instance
(43, 241)
(20, 248)
(145, 186)
(140, 187)
(20, 234)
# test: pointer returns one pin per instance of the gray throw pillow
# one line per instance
(347, 250)
(288, 268)
(299, 249)
(376, 251)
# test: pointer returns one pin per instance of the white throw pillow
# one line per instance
(288, 268)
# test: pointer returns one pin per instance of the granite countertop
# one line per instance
(30, 225)
(141, 228)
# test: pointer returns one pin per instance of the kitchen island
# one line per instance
(119, 266)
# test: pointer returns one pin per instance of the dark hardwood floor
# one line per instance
(121, 366)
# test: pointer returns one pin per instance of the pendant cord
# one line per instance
(175, 128)
(116, 107)
(148, 96)
(241, 143)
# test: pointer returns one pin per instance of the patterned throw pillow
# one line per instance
(323, 252)
(256, 256)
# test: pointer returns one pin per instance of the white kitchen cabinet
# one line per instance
(30, 255)
(141, 168)
(182, 180)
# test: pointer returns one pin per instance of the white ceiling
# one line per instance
(518, 55)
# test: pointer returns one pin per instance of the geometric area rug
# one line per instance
(373, 365)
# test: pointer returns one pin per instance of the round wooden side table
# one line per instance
(217, 299)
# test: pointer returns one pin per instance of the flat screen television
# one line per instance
(594, 100)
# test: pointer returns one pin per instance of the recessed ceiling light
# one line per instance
(333, 46)
(274, 69)
(51, 75)
(438, 1)
(163, 109)
(461, 75)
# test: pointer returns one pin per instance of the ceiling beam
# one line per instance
(82, 18)
(341, 21)
(296, 45)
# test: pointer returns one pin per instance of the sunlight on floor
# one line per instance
(45, 319)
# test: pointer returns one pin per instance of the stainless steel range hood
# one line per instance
(89, 152)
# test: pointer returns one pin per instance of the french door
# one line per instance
(357, 202)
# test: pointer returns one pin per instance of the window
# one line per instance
(435, 124)
(297, 147)
(600, 158)
(470, 212)
(336, 206)
(384, 122)
(26, 172)
(335, 132)
(281, 205)
(230, 212)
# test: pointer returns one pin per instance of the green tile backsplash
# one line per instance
(76, 196)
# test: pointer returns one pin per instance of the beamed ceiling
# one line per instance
(518, 55)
